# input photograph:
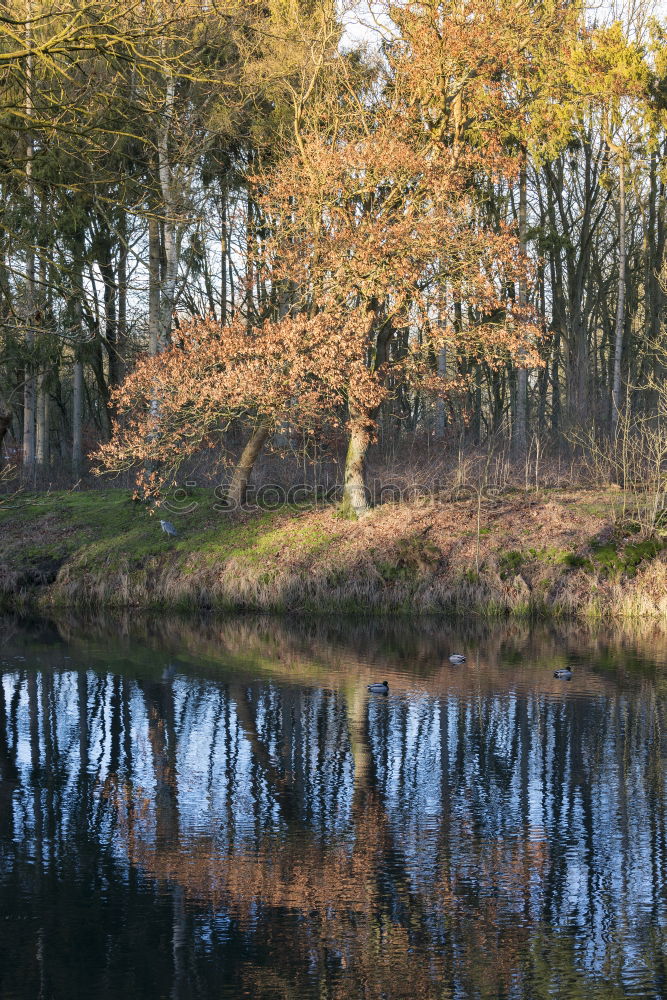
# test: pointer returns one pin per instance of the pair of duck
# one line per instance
(382, 687)
(563, 674)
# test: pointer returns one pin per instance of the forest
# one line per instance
(333, 499)
(315, 236)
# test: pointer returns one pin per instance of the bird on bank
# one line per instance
(168, 528)
(457, 658)
(381, 688)
(564, 674)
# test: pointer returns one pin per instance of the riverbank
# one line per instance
(574, 553)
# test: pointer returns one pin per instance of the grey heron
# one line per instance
(168, 528)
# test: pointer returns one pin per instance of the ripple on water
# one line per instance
(222, 808)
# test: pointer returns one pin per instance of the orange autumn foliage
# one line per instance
(378, 223)
(172, 404)
(384, 201)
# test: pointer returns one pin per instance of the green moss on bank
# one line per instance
(531, 557)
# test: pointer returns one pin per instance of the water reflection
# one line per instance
(197, 809)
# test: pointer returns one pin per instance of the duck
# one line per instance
(457, 658)
(379, 688)
(563, 674)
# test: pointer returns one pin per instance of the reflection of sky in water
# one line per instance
(530, 808)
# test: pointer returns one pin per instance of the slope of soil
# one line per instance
(576, 553)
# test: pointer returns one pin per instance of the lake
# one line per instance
(219, 808)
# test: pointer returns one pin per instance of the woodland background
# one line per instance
(230, 226)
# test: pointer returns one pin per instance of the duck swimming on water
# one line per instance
(381, 688)
(564, 674)
(457, 658)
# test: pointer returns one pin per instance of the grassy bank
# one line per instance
(576, 553)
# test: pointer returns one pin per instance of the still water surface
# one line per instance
(221, 810)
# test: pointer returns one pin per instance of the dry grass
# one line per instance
(521, 554)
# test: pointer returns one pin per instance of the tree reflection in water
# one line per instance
(222, 809)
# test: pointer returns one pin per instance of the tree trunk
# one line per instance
(153, 286)
(168, 289)
(77, 375)
(5, 422)
(363, 423)
(578, 387)
(355, 492)
(223, 260)
(654, 257)
(249, 263)
(106, 266)
(28, 455)
(521, 422)
(238, 487)
(29, 415)
(122, 297)
(660, 288)
(160, 292)
(555, 387)
(42, 425)
(102, 413)
(440, 411)
(77, 417)
(620, 306)
(476, 423)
